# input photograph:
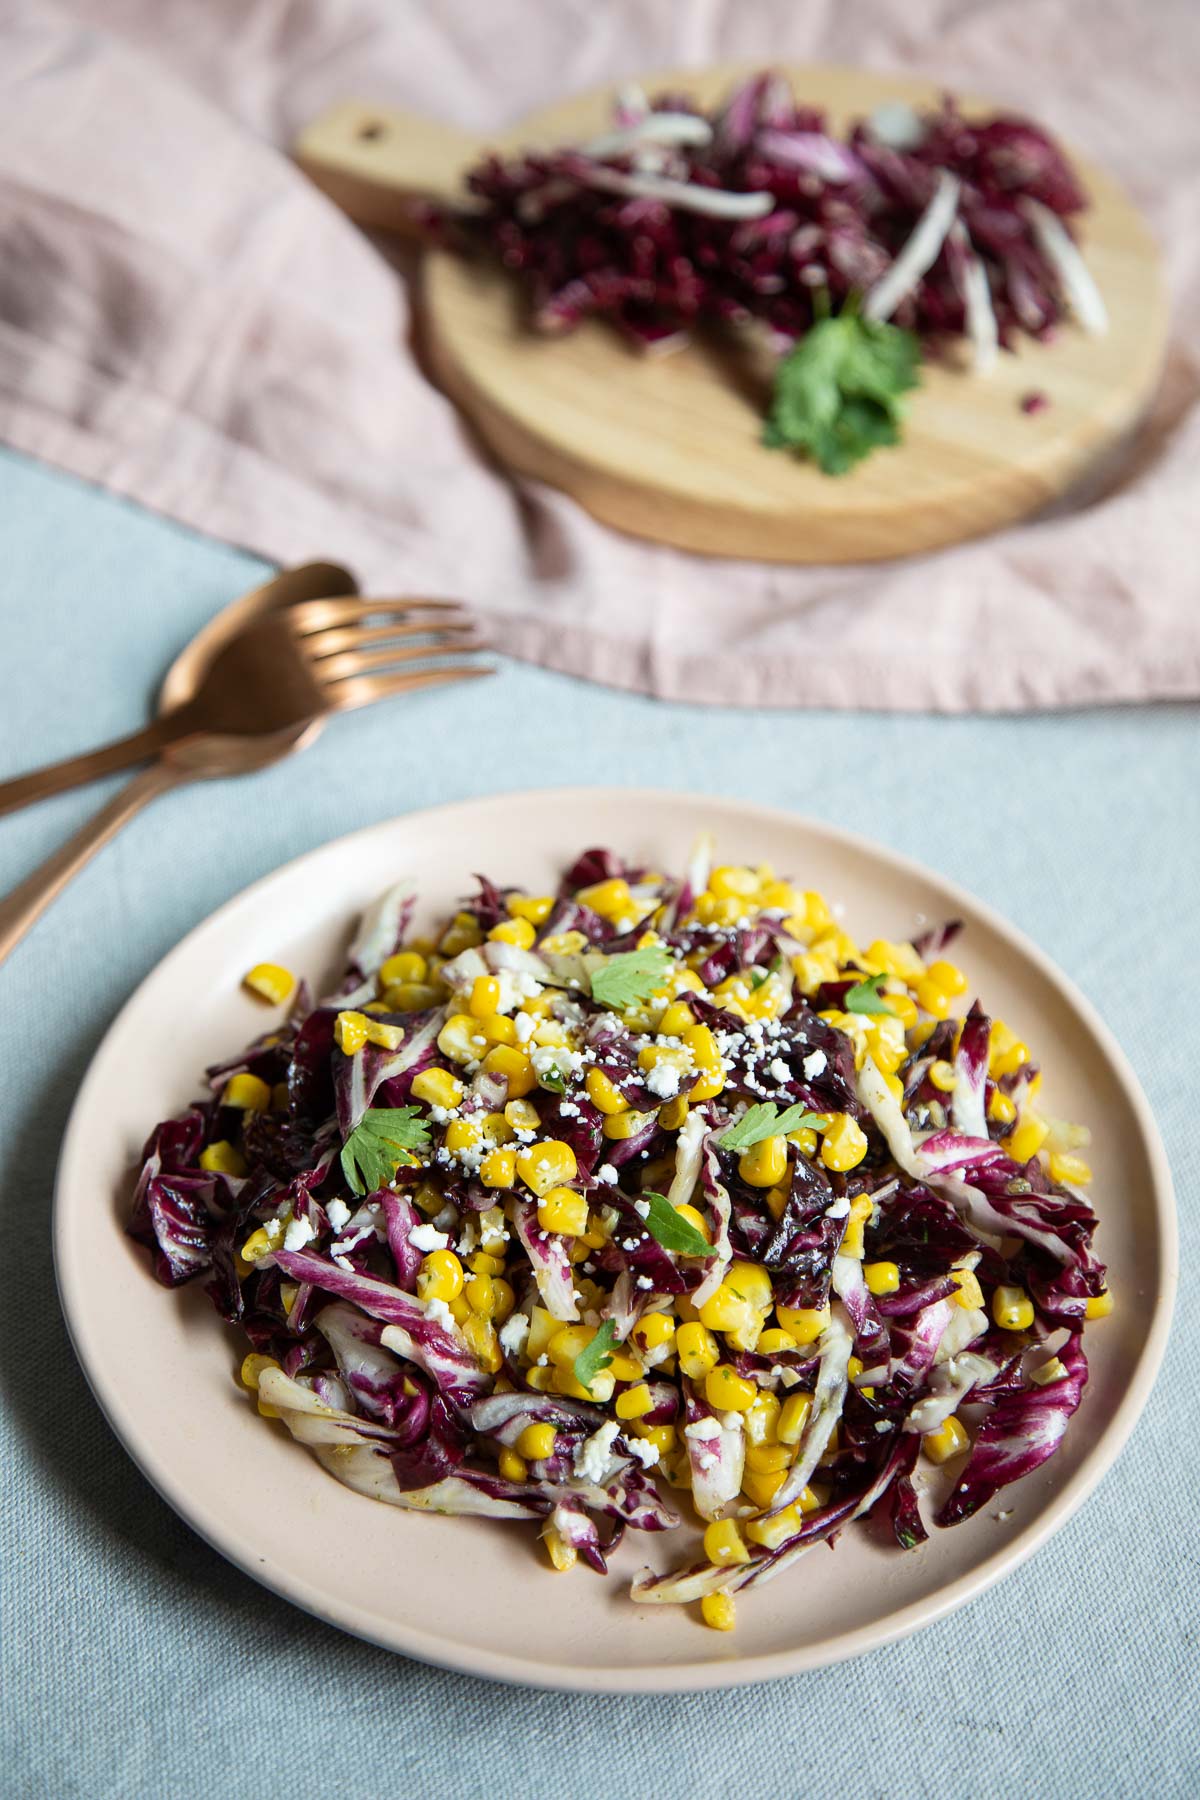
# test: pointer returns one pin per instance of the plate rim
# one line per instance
(410, 1639)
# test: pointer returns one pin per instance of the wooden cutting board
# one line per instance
(669, 448)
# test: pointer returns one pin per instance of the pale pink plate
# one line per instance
(478, 1596)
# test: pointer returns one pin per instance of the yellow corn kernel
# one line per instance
(764, 1164)
(775, 1340)
(728, 1391)
(653, 1331)
(562, 1555)
(719, 1612)
(663, 1437)
(804, 1323)
(440, 1277)
(481, 1263)
(768, 1459)
(564, 943)
(428, 1199)
(464, 932)
(568, 1342)
(459, 1040)
(1027, 1138)
(222, 1158)
(350, 1031)
(948, 976)
(697, 1350)
(541, 1380)
(1051, 1370)
(793, 1416)
(503, 1300)
(534, 907)
(703, 1046)
(270, 981)
(252, 1368)
(463, 1134)
(856, 1225)
(483, 1343)
(726, 1310)
(695, 1219)
(459, 1309)
(949, 1440)
(708, 1085)
(635, 1402)
(564, 1210)
(406, 966)
(1099, 1305)
(604, 1095)
(437, 1087)
(762, 1489)
(287, 1294)
(512, 1467)
(495, 1028)
(778, 896)
(969, 1292)
(777, 1200)
(247, 1092)
(812, 971)
(1001, 1108)
(546, 1165)
(672, 1115)
(518, 1072)
(1006, 1052)
(537, 1442)
(844, 1144)
(611, 899)
(903, 1008)
(618, 1126)
(411, 996)
(881, 1277)
(733, 883)
(484, 998)
(1071, 1170)
(262, 1242)
(761, 1419)
(1012, 1309)
(522, 1114)
(480, 1295)
(932, 999)
(724, 1543)
(543, 1326)
(942, 1076)
(514, 931)
(776, 1530)
(499, 1169)
(677, 1019)
(901, 960)
(551, 1034)
(752, 1282)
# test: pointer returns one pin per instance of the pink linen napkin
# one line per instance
(184, 319)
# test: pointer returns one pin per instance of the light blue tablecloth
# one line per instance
(134, 1661)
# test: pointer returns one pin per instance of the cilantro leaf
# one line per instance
(381, 1141)
(671, 1230)
(837, 392)
(552, 1079)
(765, 1120)
(595, 1356)
(865, 996)
(626, 979)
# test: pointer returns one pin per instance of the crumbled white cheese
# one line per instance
(733, 1421)
(642, 1208)
(630, 1243)
(663, 1081)
(882, 1425)
(779, 1070)
(815, 1065)
(298, 1233)
(705, 1462)
(513, 1334)
(645, 1283)
(440, 1313)
(647, 1454)
(703, 1428)
(593, 1456)
(338, 1214)
(609, 1175)
(427, 1238)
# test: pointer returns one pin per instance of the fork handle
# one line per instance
(29, 900)
(73, 771)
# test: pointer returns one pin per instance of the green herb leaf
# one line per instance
(837, 393)
(553, 1079)
(672, 1231)
(866, 997)
(595, 1356)
(624, 980)
(764, 1121)
(757, 979)
(380, 1143)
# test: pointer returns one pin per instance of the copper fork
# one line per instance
(262, 692)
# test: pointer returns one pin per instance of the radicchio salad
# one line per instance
(655, 1200)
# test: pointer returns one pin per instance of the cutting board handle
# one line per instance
(376, 163)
